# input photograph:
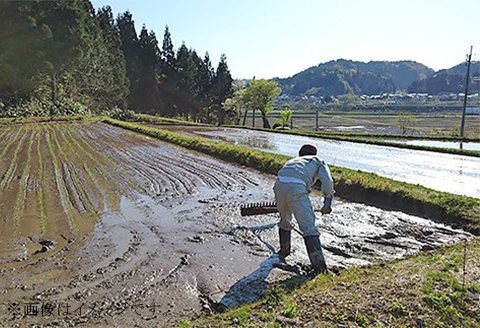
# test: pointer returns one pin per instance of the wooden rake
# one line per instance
(258, 208)
(261, 208)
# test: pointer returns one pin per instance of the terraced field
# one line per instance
(97, 216)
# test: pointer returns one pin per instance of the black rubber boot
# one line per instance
(285, 237)
(315, 253)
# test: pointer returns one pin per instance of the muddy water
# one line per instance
(445, 172)
(171, 243)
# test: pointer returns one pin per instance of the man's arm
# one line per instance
(327, 187)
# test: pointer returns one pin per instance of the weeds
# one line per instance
(290, 311)
(398, 309)
(241, 315)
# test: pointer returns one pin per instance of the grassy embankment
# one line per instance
(398, 136)
(358, 138)
(165, 121)
(425, 290)
(369, 188)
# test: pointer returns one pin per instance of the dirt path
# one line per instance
(135, 232)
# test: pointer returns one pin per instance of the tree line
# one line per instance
(63, 57)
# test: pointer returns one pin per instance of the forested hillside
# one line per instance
(449, 80)
(64, 57)
(346, 76)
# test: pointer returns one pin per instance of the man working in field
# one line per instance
(291, 195)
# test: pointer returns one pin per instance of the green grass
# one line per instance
(402, 293)
(291, 310)
(350, 184)
(398, 136)
(166, 121)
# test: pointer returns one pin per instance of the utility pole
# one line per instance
(316, 121)
(253, 118)
(469, 60)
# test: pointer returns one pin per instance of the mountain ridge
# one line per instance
(343, 76)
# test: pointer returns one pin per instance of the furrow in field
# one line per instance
(98, 192)
(40, 178)
(101, 159)
(74, 184)
(9, 173)
(155, 175)
(4, 132)
(11, 141)
(22, 190)
(167, 165)
(157, 178)
(60, 183)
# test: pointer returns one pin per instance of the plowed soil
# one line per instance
(104, 227)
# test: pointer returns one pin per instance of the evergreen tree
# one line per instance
(116, 83)
(131, 50)
(100, 81)
(203, 80)
(186, 87)
(42, 37)
(148, 65)
(221, 88)
(168, 54)
(168, 75)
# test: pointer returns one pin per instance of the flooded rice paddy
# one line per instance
(439, 144)
(107, 219)
(456, 174)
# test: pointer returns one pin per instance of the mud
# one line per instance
(113, 228)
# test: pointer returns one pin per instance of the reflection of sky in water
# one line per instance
(446, 172)
(439, 144)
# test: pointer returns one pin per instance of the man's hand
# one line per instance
(326, 210)
(327, 205)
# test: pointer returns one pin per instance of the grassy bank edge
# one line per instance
(354, 185)
(365, 139)
(398, 136)
(423, 290)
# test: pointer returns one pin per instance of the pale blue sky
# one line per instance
(268, 38)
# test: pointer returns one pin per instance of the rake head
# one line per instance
(258, 208)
